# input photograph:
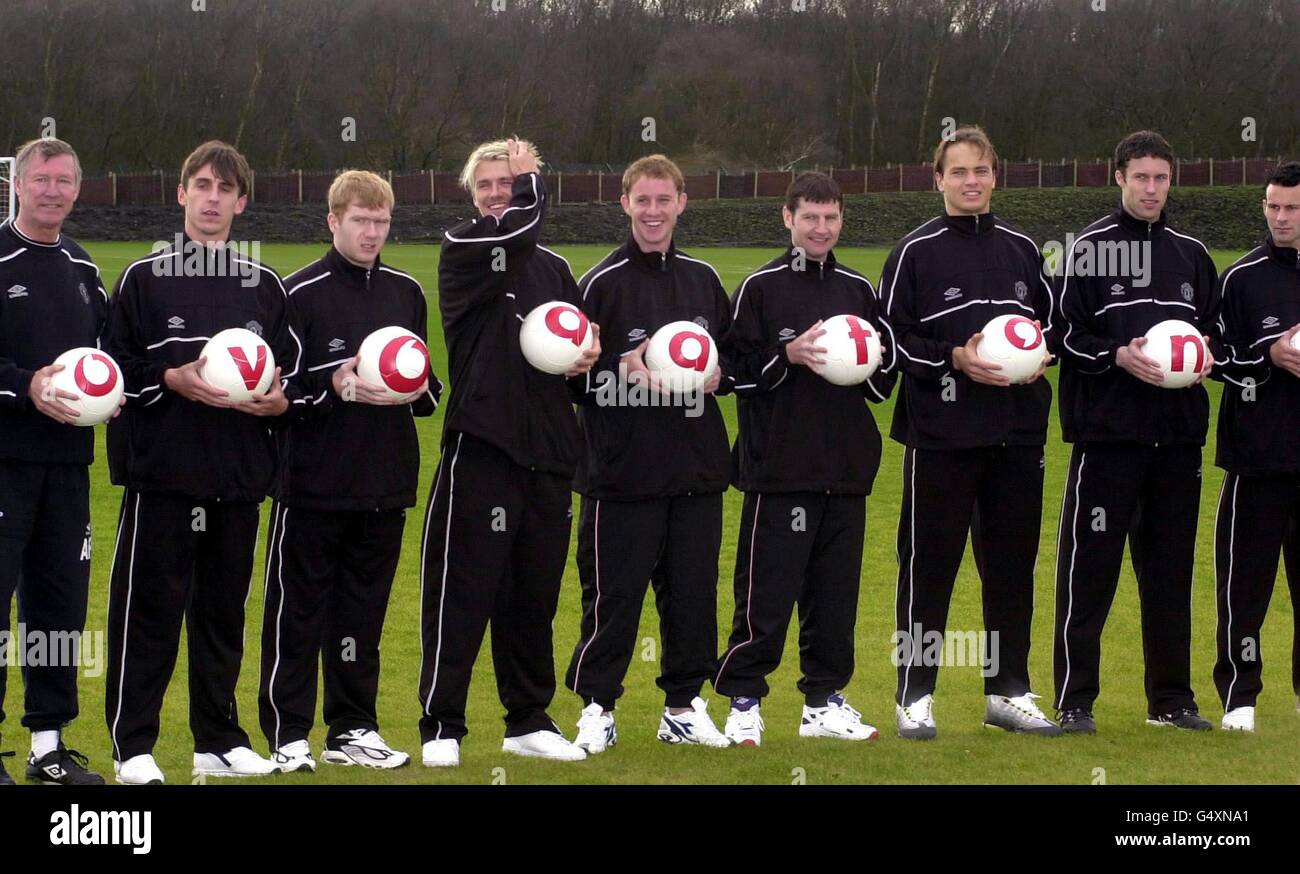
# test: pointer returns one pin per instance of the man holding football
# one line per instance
(1135, 470)
(336, 526)
(195, 466)
(974, 442)
(496, 533)
(806, 457)
(658, 522)
(51, 300)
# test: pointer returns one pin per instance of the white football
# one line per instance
(683, 356)
(394, 359)
(1179, 348)
(1295, 341)
(239, 362)
(554, 336)
(95, 378)
(1014, 343)
(852, 350)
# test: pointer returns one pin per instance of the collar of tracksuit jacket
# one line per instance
(352, 274)
(1284, 255)
(813, 270)
(1137, 228)
(971, 225)
(656, 264)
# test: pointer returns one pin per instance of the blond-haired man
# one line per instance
(496, 534)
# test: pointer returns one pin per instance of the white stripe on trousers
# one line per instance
(577, 671)
(749, 597)
(1232, 537)
(911, 580)
(1069, 585)
(442, 595)
(126, 615)
(278, 518)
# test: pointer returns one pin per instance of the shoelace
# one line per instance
(919, 711)
(1025, 704)
(78, 759)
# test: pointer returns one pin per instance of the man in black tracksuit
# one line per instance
(195, 468)
(496, 533)
(806, 456)
(651, 477)
(1257, 445)
(1135, 471)
(348, 470)
(974, 458)
(51, 300)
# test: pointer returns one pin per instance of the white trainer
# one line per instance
(745, 725)
(1239, 719)
(364, 747)
(239, 762)
(543, 745)
(294, 757)
(692, 727)
(916, 720)
(838, 719)
(1019, 714)
(441, 753)
(596, 732)
(138, 770)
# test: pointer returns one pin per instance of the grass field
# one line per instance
(1126, 750)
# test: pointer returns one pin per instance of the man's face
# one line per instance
(360, 233)
(492, 182)
(814, 227)
(1145, 186)
(211, 204)
(653, 204)
(967, 180)
(1282, 212)
(47, 191)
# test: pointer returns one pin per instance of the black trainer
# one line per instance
(1186, 718)
(5, 779)
(1077, 720)
(62, 767)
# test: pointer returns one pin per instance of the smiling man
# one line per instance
(806, 456)
(195, 468)
(974, 442)
(1135, 470)
(1260, 321)
(336, 526)
(496, 532)
(660, 521)
(51, 300)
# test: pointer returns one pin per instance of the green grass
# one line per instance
(1127, 749)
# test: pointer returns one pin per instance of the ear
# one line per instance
(627, 205)
(1119, 178)
(333, 221)
(180, 194)
(240, 204)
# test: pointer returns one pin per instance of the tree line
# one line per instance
(730, 84)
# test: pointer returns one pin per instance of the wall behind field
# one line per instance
(1224, 218)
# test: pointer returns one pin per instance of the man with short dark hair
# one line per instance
(661, 520)
(974, 456)
(1257, 446)
(195, 467)
(806, 456)
(1135, 471)
(51, 300)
